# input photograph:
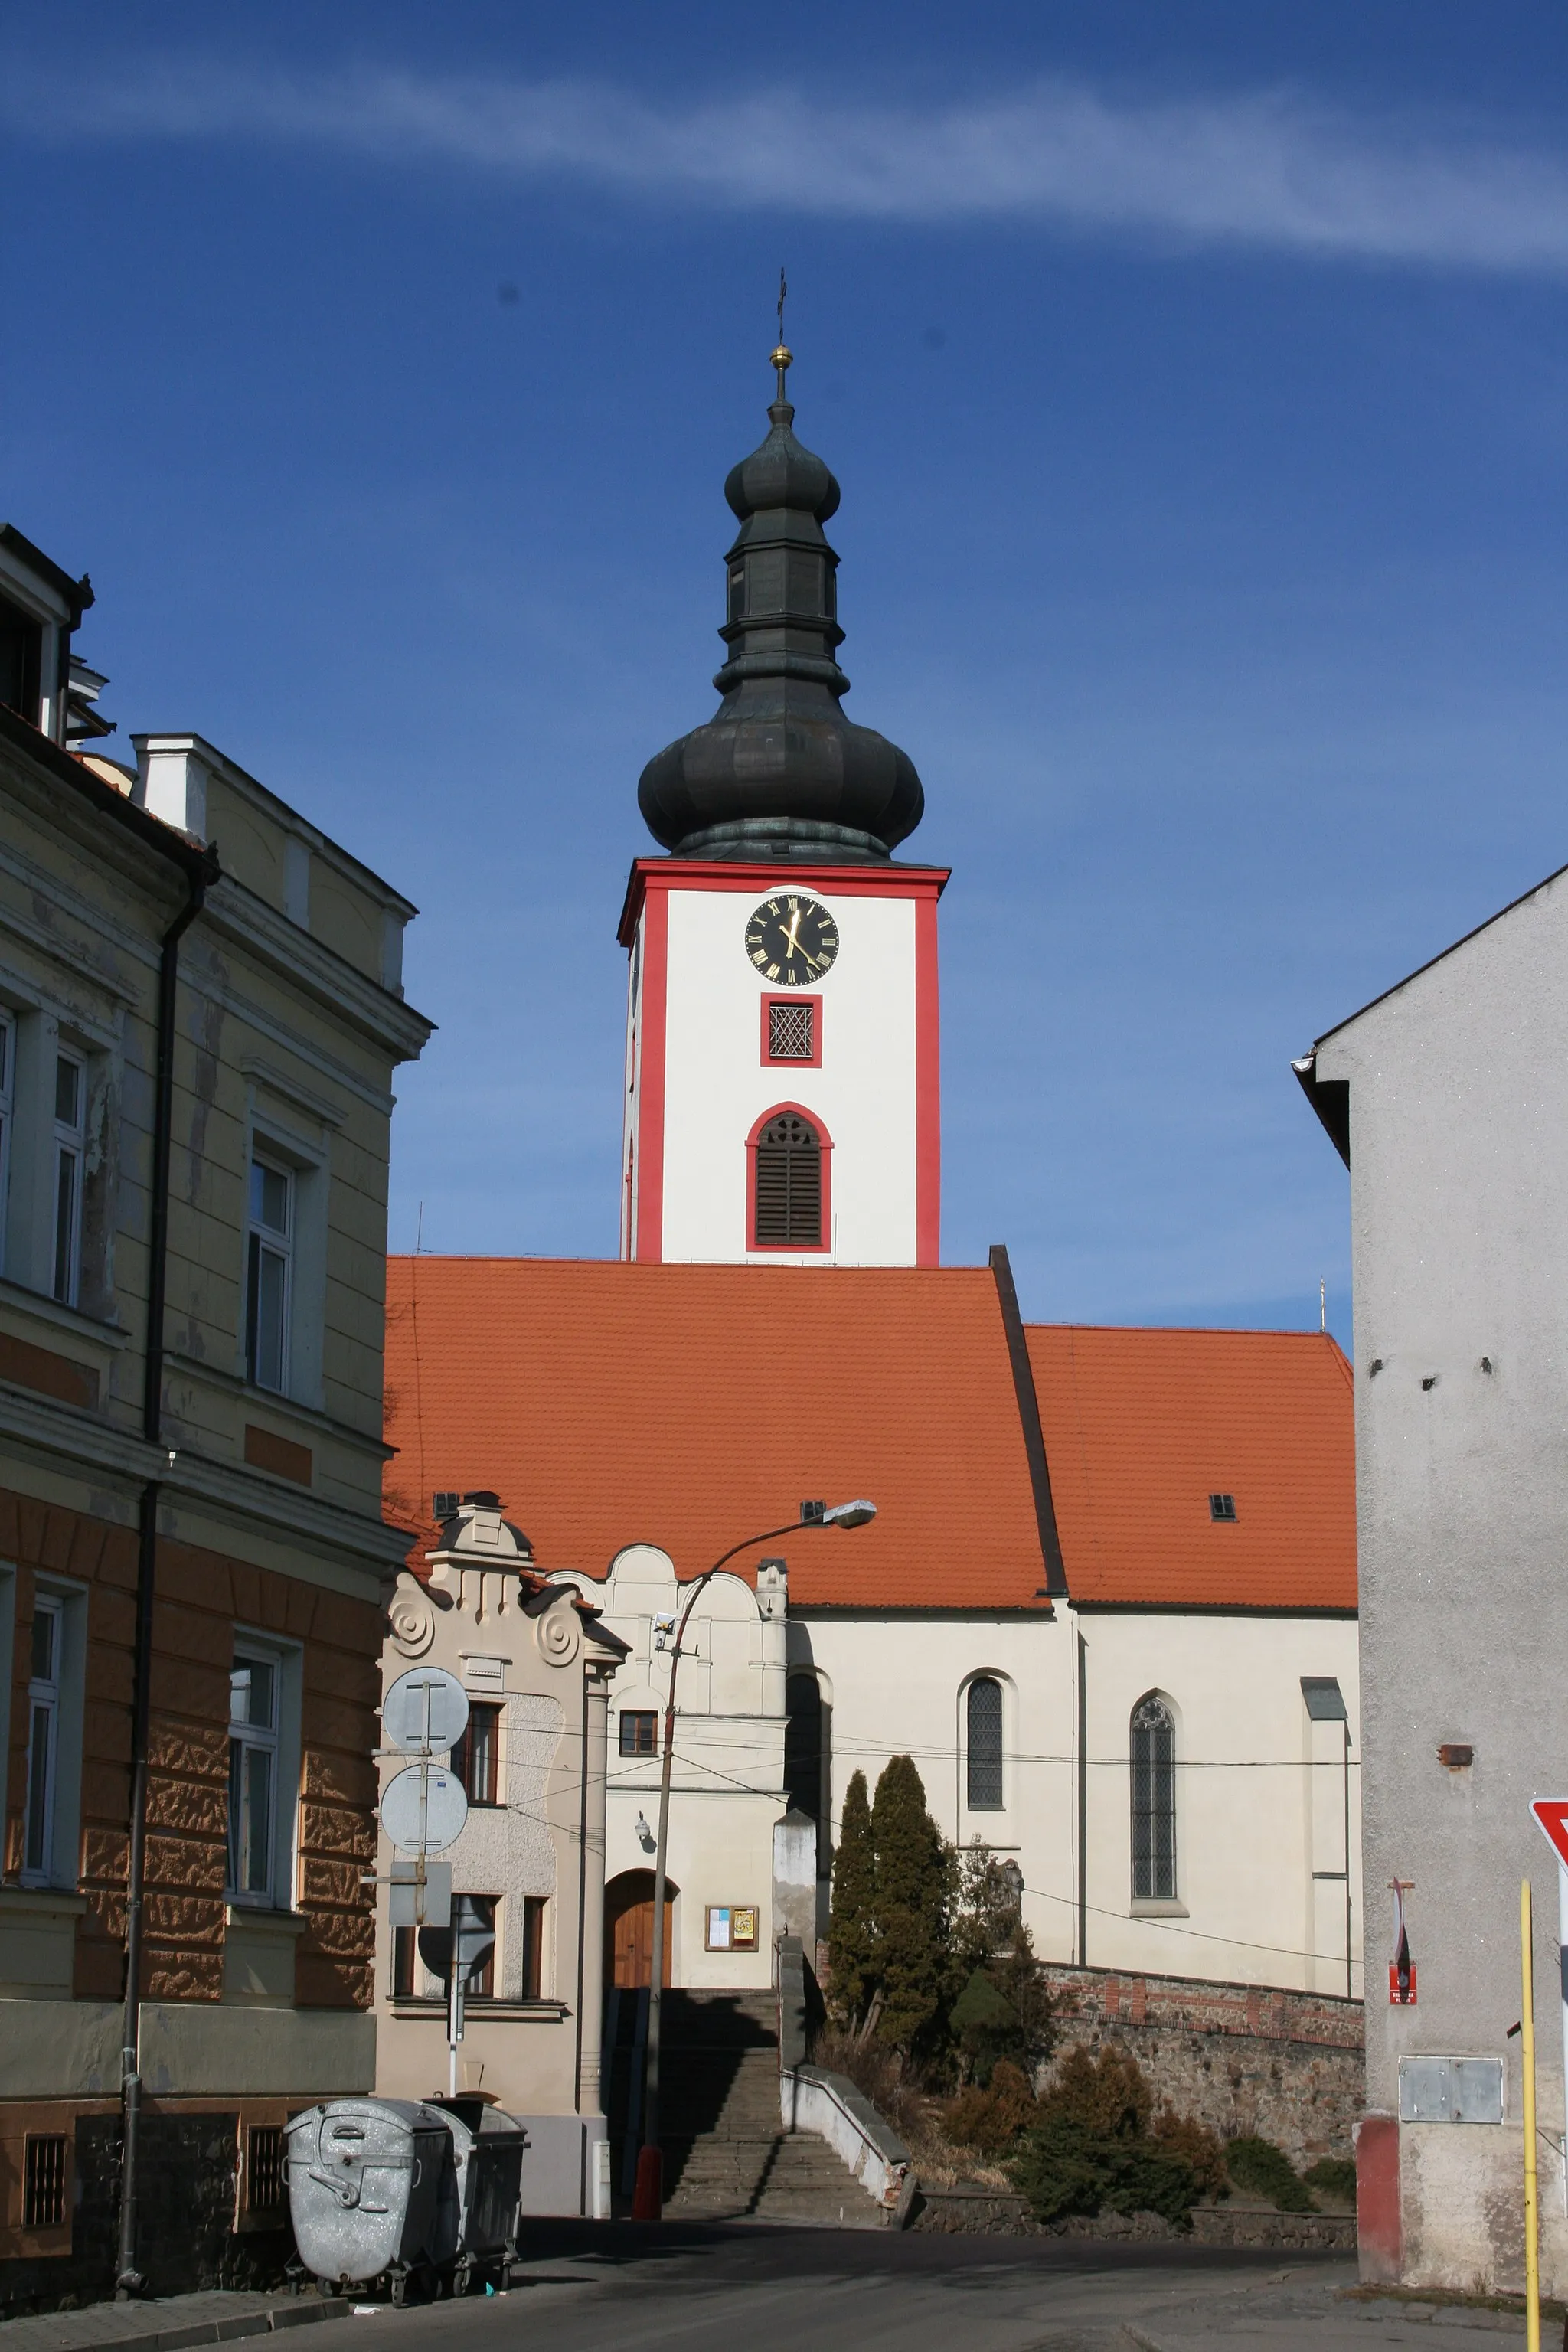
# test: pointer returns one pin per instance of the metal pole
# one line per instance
(648, 2204)
(1350, 1946)
(1562, 1980)
(1527, 2059)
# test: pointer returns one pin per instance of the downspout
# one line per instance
(127, 2279)
(1082, 1800)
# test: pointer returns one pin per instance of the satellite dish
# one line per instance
(426, 1707)
(424, 1806)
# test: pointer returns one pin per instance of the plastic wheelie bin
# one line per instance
(366, 2183)
(480, 2192)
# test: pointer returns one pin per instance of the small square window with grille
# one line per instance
(43, 2190)
(792, 1033)
(264, 2169)
(1222, 1506)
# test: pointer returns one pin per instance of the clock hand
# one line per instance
(790, 946)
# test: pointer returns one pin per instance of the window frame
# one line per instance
(281, 1741)
(67, 1147)
(263, 1239)
(628, 1715)
(1146, 1811)
(824, 1243)
(44, 1705)
(531, 1952)
(985, 1804)
(494, 1711)
(796, 998)
(7, 1117)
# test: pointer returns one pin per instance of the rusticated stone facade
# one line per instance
(1240, 2058)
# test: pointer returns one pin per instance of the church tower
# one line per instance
(782, 1050)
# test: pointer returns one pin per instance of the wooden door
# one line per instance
(628, 1902)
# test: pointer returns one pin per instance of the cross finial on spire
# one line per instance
(782, 356)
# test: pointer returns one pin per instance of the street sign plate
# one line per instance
(424, 1806)
(412, 1905)
(426, 1707)
(1551, 1814)
(475, 1935)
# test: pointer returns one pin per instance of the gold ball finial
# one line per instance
(781, 357)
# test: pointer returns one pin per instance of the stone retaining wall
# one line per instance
(1240, 2058)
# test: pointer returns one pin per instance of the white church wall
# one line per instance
(716, 1086)
(1260, 1798)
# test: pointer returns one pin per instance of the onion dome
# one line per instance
(778, 771)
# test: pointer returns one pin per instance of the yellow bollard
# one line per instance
(1527, 2059)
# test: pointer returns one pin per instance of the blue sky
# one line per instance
(1197, 380)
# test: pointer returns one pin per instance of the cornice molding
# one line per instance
(237, 913)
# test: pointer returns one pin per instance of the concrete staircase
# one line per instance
(725, 2155)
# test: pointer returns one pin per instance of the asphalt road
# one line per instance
(739, 2289)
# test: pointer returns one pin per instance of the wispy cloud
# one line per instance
(1268, 170)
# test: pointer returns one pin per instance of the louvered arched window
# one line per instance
(1154, 1800)
(984, 1730)
(787, 1198)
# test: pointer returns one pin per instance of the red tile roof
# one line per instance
(687, 1405)
(1141, 1426)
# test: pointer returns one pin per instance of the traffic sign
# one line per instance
(426, 1709)
(423, 1807)
(475, 1937)
(1551, 1814)
(421, 1902)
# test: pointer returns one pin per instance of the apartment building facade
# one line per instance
(201, 1012)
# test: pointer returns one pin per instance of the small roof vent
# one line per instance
(1222, 1506)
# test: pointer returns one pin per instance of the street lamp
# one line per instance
(648, 2203)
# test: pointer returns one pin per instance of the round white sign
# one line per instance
(426, 1707)
(424, 1806)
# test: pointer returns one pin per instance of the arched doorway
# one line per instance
(628, 1930)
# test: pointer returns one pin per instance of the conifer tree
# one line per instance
(914, 1884)
(852, 1926)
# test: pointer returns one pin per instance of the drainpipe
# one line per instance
(127, 2279)
(1082, 1800)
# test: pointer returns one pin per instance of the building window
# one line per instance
(7, 1084)
(252, 1777)
(264, 2182)
(788, 1207)
(984, 1709)
(1154, 1802)
(71, 1113)
(476, 1760)
(21, 662)
(532, 1947)
(266, 1276)
(43, 1741)
(1222, 1506)
(639, 1732)
(480, 1982)
(792, 1032)
(44, 2182)
(404, 1953)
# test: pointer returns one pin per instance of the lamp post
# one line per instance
(648, 2203)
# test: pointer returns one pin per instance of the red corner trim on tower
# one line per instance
(648, 1245)
(928, 1087)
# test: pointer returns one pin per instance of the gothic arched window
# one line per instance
(787, 1200)
(1154, 1800)
(984, 1744)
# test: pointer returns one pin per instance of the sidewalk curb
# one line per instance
(178, 2337)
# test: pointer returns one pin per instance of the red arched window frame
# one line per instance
(788, 1249)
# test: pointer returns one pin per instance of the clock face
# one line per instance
(791, 938)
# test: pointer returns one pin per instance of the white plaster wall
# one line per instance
(716, 1086)
(1459, 1230)
(1256, 1816)
(726, 1784)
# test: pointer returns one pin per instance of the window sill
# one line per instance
(60, 1900)
(1146, 1907)
(237, 1912)
(64, 1318)
(509, 2013)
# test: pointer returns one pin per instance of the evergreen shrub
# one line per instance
(1258, 2166)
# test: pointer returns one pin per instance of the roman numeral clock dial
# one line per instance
(791, 940)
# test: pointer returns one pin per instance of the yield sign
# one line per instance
(1551, 1812)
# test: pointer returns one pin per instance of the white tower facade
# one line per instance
(782, 1106)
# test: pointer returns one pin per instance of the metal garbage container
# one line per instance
(365, 2179)
(481, 2192)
